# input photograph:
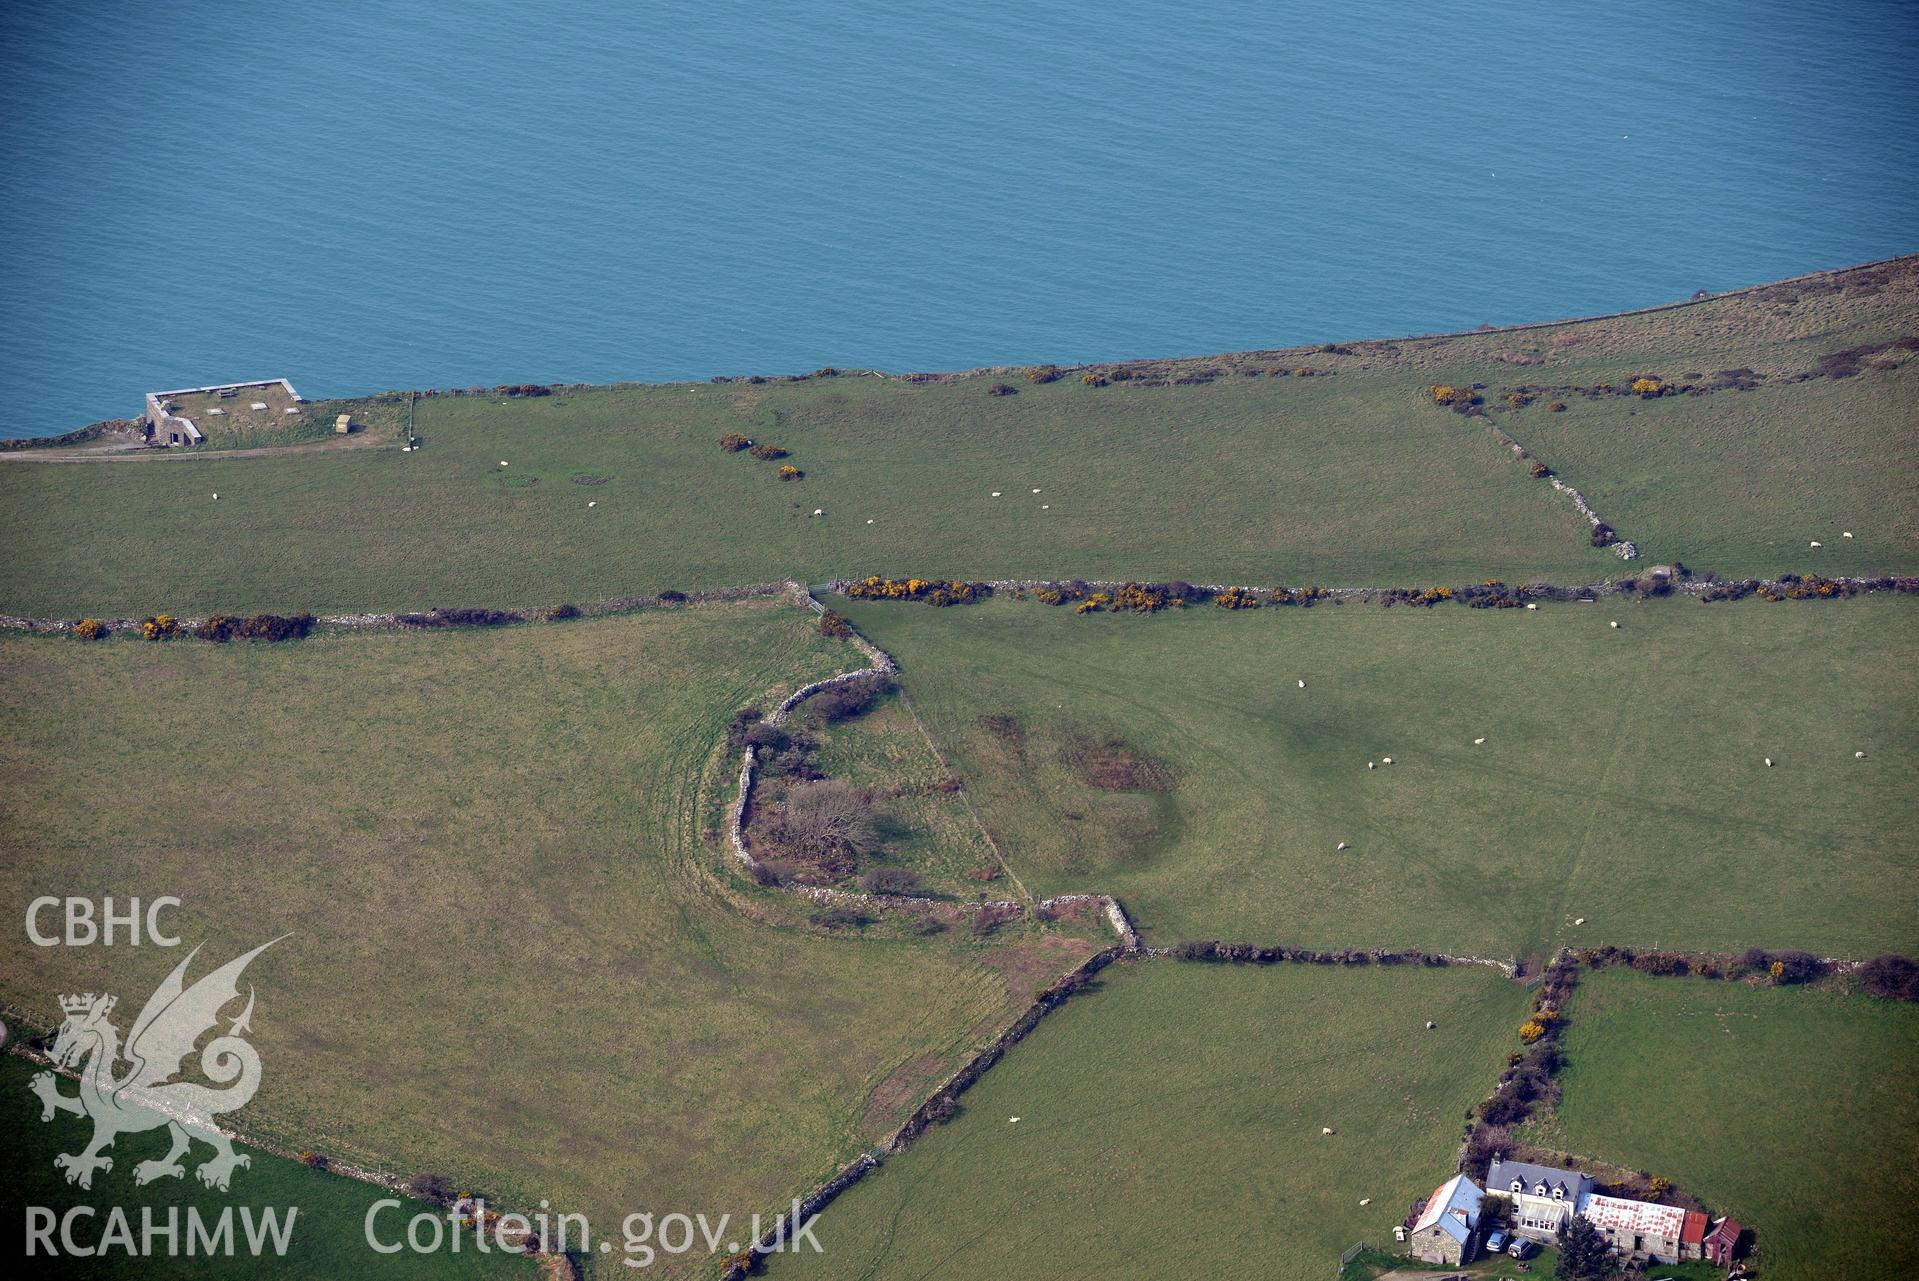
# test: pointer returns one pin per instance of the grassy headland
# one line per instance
(1233, 468)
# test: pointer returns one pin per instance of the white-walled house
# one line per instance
(1544, 1197)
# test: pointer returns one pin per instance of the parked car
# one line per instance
(1496, 1243)
(1523, 1249)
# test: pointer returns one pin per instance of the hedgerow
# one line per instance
(931, 590)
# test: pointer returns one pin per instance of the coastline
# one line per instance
(16, 445)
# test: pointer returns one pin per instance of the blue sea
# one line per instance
(361, 196)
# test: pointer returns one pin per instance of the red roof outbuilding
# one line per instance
(1723, 1241)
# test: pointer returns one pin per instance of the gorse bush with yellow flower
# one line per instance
(159, 627)
(931, 590)
(90, 629)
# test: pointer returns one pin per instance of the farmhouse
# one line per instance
(1645, 1230)
(173, 418)
(1544, 1197)
(1447, 1230)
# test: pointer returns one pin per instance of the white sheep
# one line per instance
(1479, 742)
(594, 503)
(1036, 491)
(1370, 765)
(1859, 756)
(1530, 605)
(1768, 762)
(1302, 684)
(1385, 760)
(1325, 1129)
(819, 511)
(1615, 625)
(1847, 534)
(503, 462)
(996, 493)
(1815, 543)
(1342, 846)
(216, 498)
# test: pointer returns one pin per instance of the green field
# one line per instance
(522, 955)
(1744, 482)
(1622, 779)
(1796, 1111)
(513, 959)
(328, 1237)
(1352, 476)
(1170, 1127)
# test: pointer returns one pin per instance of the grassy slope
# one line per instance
(1248, 478)
(509, 960)
(1353, 478)
(1170, 1126)
(328, 1238)
(1622, 780)
(1745, 481)
(1795, 1111)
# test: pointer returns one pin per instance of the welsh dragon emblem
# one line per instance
(144, 1096)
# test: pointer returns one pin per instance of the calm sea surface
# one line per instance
(368, 195)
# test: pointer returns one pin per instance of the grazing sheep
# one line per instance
(1615, 624)
(1479, 742)
(1530, 605)
(1343, 845)
(1046, 507)
(1302, 684)
(1012, 1120)
(1859, 756)
(1768, 762)
(1430, 1025)
(996, 493)
(1370, 765)
(869, 520)
(1385, 760)
(1365, 1200)
(594, 503)
(1579, 920)
(216, 498)
(1847, 534)
(819, 511)
(1325, 1129)
(1036, 491)
(1815, 543)
(503, 462)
